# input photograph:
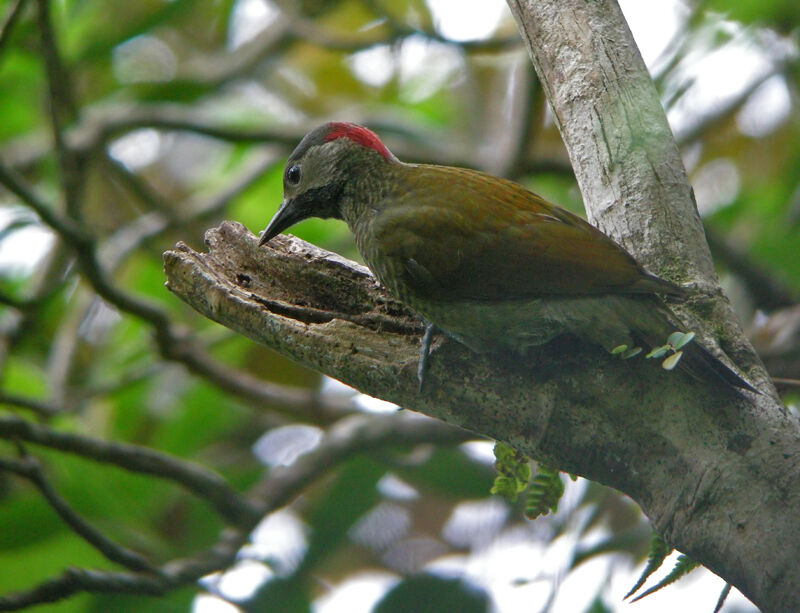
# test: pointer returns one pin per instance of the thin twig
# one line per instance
(75, 580)
(61, 104)
(173, 342)
(202, 482)
(352, 436)
(12, 15)
(30, 469)
(147, 227)
(400, 29)
(31, 302)
(12, 301)
(169, 117)
(767, 292)
(323, 37)
(134, 184)
(43, 408)
(62, 225)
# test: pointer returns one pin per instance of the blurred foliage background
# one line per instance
(128, 126)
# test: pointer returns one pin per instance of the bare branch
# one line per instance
(173, 342)
(62, 225)
(75, 580)
(768, 293)
(671, 443)
(42, 408)
(203, 483)
(146, 227)
(393, 31)
(13, 12)
(354, 435)
(100, 128)
(30, 469)
(61, 106)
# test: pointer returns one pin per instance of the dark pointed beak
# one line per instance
(286, 217)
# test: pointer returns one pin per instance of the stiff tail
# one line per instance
(654, 323)
(700, 363)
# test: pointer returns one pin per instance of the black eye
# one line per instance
(293, 175)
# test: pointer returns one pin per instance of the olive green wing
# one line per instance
(491, 239)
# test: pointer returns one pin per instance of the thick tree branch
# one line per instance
(698, 461)
(626, 161)
(715, 472)
(634, 185)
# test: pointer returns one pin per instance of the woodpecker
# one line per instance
(482, 259)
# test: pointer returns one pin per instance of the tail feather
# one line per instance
(699, 362)
(653, 323)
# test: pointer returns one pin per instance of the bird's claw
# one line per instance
(424, 353)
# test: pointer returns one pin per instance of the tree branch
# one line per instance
(202, 482)
(31, 470)
(42, 408)
(626, 161)
(698, 461)
(13, 12)
(716, 473)
(61, 106)
(351, 436)
(173, 342)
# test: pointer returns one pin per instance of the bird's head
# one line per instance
(318, 170)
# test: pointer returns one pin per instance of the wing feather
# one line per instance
(491, 239)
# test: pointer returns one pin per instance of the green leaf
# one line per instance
(683, 566)
(672, 361)
(545, 492)
(619, 349)
(633, 351)
(657, 352)
(659, 550)
(680, 339)
(513, 472)
(507, 487)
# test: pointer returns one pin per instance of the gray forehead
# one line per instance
(312, 139)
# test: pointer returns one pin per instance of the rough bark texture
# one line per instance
(717, 474)
(626, 161)
(635, 188)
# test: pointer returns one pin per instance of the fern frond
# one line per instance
(544, 493)
(683, 566)
(659, 550)
(513, 472)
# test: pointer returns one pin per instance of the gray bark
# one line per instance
(717, 473)
(635, 188)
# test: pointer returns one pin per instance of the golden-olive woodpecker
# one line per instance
(489, 263)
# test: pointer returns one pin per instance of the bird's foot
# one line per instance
(425, 353)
